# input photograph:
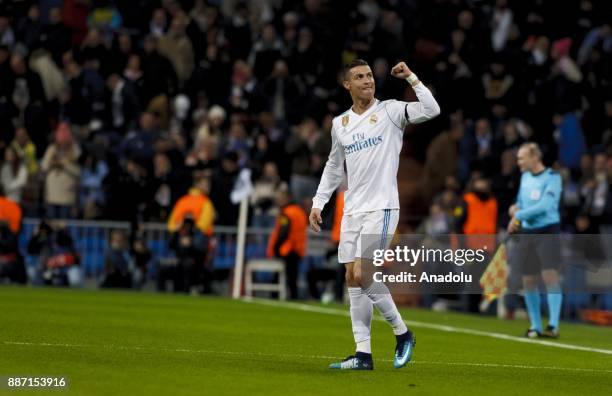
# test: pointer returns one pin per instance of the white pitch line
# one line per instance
(296, 356)
(450, 329)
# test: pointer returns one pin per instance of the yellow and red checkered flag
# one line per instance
(494, 280)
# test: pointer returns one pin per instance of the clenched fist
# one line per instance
(401, 70)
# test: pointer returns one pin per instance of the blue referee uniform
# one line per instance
(538, 202)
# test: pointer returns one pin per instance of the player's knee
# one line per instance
(530, 282)
(351, 279)
(550, 278)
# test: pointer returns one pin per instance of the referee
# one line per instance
(536, 216)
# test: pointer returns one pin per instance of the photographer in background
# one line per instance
(189, 274)
(141, 256)
(58, 259)
(117, 261)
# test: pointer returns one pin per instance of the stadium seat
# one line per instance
(275, 266)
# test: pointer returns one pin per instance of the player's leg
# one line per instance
(529, 267)
(379, 228)
(360, 304)
(550, 259)
(532, 301)
(554, 298)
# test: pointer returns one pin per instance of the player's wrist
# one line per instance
(412, 79)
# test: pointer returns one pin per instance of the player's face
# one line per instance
(360, 83)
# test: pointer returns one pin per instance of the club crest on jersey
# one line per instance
(373, 119)
(345, 120)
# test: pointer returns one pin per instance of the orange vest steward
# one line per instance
(199, 206)
(481, 218)
(298, 226)
(10, 212)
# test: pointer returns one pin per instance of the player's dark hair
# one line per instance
(354, 63)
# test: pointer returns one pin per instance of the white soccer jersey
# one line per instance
(370, 144)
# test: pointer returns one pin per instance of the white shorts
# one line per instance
(372, 228)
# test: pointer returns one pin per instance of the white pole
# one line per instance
(241, 241)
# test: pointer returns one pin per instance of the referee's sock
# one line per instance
(554, 298)
(532, 301)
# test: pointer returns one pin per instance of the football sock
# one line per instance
(532, 301)
(381, 297)
(361, 318)
(554, 298)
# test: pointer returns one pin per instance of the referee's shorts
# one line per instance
(538, 249)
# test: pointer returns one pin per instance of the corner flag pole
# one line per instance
(238, 267)
(241, 192)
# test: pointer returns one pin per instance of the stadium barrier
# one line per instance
(91, 239)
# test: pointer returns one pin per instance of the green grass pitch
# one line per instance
(131, 343)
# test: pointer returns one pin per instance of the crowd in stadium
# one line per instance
(114, 109)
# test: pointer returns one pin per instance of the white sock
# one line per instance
(382, 300)
(361, 318)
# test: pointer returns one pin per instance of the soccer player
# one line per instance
(536, 216)
(368, 137)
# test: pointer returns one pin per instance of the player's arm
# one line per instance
(330, 180)
(550, 197)
(427, 107)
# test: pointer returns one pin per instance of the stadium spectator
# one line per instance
(159, 77)
(191, 247)
(597, 193)
(141, 256)
(159, 23)
(300, 147)
(7, 35)
(305, 57)
(176, 46)
(197, 206)
(91, 194)
(222, 184)
(12, 268)
(504, 185)
(86, 97)
(117, 262)
(479, 224)
(288, 240)
(266, 51)
(13, 175)
(10, 213)
(480, 214)
(437, 223)
(25, 149)
(168, 183)
(125, 104)
(58, 260)
(263, 196)
(138, 144)
(62, 173)
(442, 160)
(56, 36)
